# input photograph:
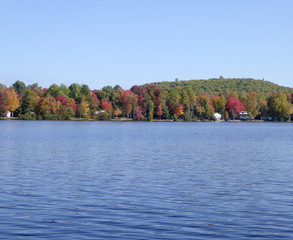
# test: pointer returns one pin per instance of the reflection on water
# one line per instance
(139, 180)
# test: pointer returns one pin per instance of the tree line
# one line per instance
(215, 86)
(147, 102)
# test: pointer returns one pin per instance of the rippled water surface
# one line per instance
(141, 180)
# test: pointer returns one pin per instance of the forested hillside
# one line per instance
(180, 100)
(226, 85)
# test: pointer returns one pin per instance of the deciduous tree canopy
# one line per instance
(187, 100)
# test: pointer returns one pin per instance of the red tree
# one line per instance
(62, 100)
(107, 106)
(3, 101)
(235, 105)
(93, 101)
(128, 100)
(137, 113)
(159, 111)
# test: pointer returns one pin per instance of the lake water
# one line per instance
(145, 180)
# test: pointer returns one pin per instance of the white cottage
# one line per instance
(99, 112)
(8, 114)
(218, 116)
(243, 115)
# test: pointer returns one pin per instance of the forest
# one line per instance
(193, 100)
(226, 85)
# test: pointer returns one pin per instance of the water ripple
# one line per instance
(102, 180)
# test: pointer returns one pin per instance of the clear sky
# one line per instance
(132, 42)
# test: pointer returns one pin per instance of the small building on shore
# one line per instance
(8, 114)
(99, 112)
(244, 115)
(217, 116)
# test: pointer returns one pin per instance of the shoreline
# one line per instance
(154, 120)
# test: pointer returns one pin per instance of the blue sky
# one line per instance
(132, 42)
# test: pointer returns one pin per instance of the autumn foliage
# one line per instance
(235, 105)
(179, 110)
(12, 100)
(107, 106)
(159, 111)
(117, 112)
(148, 102)
(3, 101)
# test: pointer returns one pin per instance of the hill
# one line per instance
(226, 85)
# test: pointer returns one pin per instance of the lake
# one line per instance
(145, 180)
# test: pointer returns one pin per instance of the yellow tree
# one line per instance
(117, 112)
(251, 103)
(12, 101)
(179, 110)
(44, 107)
(279, 106)
(200, 110)
(83, 109)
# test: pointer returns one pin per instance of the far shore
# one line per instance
(131, 120)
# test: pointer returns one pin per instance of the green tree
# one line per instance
(191, 102)
(20, 87)
(208, 109)
(34, 86)
(173, 100)
(232, 115)
(69, 114)
(85, 90)
(63, 90)
(279, 106)
(150, 110)
(101, 95)
(165, 111)
(75, 92)
(29, 102)
(53, 90)
(109, 91)
(117, 88)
